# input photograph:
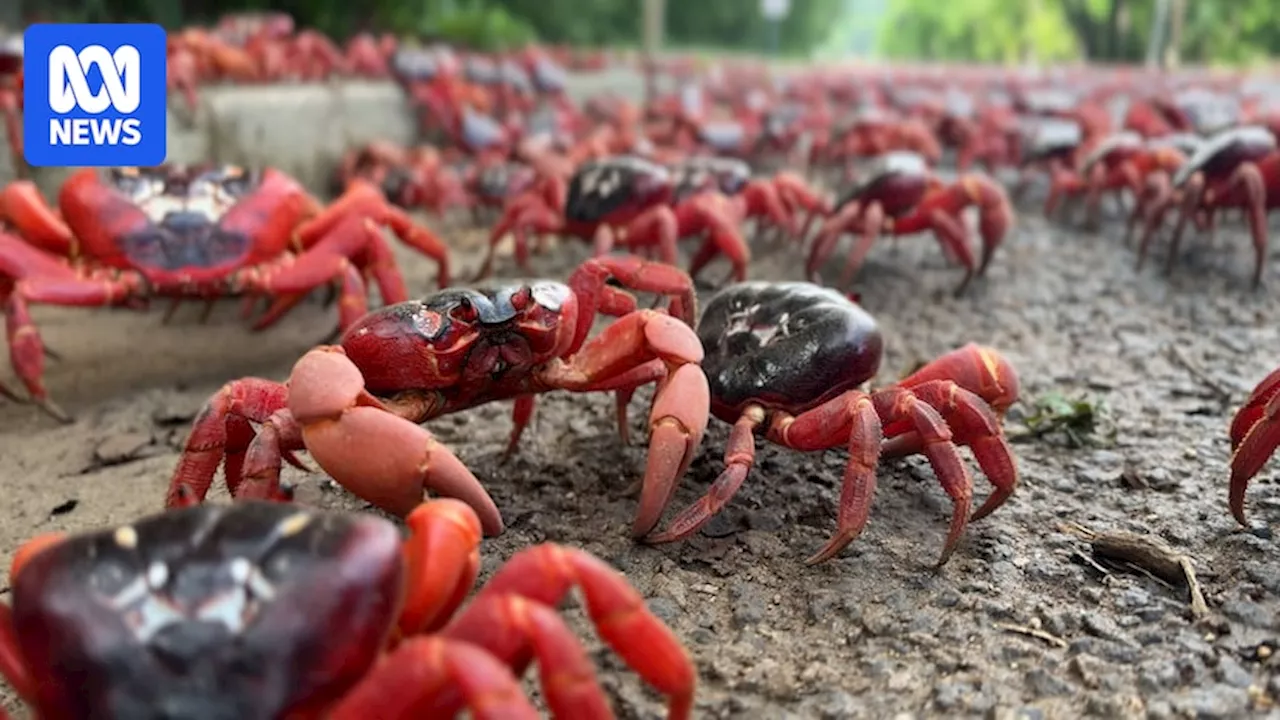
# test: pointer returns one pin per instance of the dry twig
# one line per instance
(1148, 555)
(1033, 632)
(1178, 357)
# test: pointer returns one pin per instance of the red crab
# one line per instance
(899, 195)
(1238, 168)
(356, 407)
(1255, 435)
(259, 609)
(624, 198)
(1124, 161)
(786, 360)
(1157, 185)
(416, 177)
(776, 201)
(130, 234)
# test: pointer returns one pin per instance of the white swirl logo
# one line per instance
(121, 79)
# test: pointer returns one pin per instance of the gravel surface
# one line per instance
(1023, 622)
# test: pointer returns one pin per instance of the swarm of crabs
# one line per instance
(196, 610)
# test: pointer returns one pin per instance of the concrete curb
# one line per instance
(300, 129)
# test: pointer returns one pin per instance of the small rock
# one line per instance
(665, 608)
(1215, 701)
(1133, 598)
(835, 705)
(1087, 668)
(173, 413)
(1233, 673)
(1249, 613)
(1101, 626)
(951, 696)
(1042, 683)
(121, 448)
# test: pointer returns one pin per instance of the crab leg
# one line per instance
(972, 387)
(363, 200)
(712, 214)
(1255, 435)
(12, 666)
(512, 618)
(519, 219)
(442, 558)
(22, 206)
(739, 457)
(26, 349)
(221, 431)
(763, 199)
(325, 261)
(680, 407)
(845, 220)
(410, 678)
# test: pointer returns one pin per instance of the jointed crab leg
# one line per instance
(929, 412)
(364, 200)
(679, 416)
(1255, 435)
(410, 677)
(29, 275)
(511, 618)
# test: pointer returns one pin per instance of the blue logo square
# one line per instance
(95, 95)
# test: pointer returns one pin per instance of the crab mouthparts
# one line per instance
(495, 357)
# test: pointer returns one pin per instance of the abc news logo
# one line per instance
(121, 90)
(95, 94)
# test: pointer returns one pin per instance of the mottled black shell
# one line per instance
(1049, 101)
(11, 51)
(1187, 143)
(896, 178)
(549, 77)
(185, 206)
(722, 135)
(479, 131)
(1053, 139)
(431, 317)
(415, 64)
(695, 174)
(785, 346)
(601, 188)
(481, 71)
(1224, 152)
(1119, 142)
(210, 613)
(510, 73)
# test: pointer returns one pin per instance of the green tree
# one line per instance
(1231, 31)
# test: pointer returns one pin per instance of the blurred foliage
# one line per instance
(491, 24)
(1231, 31)
(1074, 422)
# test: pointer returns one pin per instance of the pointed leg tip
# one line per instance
(54, 411)
(948, 550)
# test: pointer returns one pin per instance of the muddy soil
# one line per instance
(1023, 622)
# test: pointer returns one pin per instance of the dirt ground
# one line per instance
(1024, 622)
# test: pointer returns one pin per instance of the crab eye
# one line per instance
(521, 299)
(464, 311)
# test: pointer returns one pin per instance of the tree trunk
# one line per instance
(1114, 51)
(1173, 51)
(11, 15)
(654, 22)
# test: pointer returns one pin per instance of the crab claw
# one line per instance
(677, 421)
(377, 455)
(1255, 435)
